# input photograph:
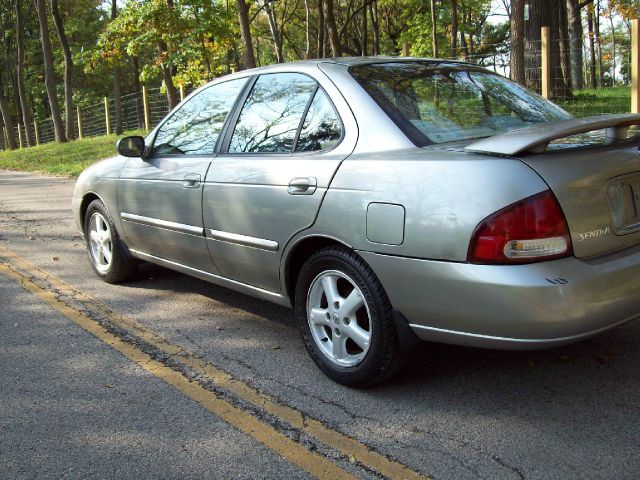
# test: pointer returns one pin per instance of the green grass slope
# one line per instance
(67, 159)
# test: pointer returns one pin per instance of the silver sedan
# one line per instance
(387, 201)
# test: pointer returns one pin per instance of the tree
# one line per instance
(330, 22)
(552, 14)
(517, 42)
(245, 32)
(22, 94)
(575, 43)
(49, 74)
(453, 42)
(68, 70)
(117, 102)
(434, 35)
(7, 118)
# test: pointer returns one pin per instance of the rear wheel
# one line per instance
(345, 318)
(109, 257)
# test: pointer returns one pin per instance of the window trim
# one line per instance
(181, 104)
(229, 129)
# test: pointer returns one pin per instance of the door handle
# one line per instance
(303, 186)
(191, 180)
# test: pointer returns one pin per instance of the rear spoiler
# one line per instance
(535, 139)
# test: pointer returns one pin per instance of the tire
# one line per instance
(346, 319)
(103, 241)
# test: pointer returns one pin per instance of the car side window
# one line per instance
(321, 129)
(194, 128)
(271, 115)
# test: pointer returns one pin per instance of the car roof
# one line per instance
(354, 61)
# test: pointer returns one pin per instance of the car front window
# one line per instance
(194, 128)
(436, 103)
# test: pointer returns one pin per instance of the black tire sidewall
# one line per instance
(371, 369)
(122, 265)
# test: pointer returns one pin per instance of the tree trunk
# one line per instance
(7, 119)
(117, 101)
(538, 13)
(364, 40)
(330, 20)
(49, 75)
(167, 76)
(245, 33)
(68, 71)
(320, 44)
(307, 30)
(562, 84)
(275, 34)
(454, 29)
(26, 111)
(599, 45)
(592, 48)
(434, 35)
(575, 43)
(375, 26)
(517, 42)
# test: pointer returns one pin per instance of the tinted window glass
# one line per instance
(437, 103)
(271, 115)
(321, 128)
(194, 128)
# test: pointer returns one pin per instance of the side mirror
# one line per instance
(132, 147)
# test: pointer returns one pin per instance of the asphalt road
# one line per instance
(71, 406)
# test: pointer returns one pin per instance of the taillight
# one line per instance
(531, 230)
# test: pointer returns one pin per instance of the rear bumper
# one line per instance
(512, 306)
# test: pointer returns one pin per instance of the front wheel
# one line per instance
(346, 319)
(109, 257)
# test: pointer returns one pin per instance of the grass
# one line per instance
(588, 102)
(65, 159)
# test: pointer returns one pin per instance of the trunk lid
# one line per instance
(592, 169)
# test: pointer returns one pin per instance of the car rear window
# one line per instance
(437, 103)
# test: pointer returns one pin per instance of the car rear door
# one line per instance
(160, 197)
(279, 156)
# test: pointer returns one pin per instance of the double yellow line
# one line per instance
(74, 304)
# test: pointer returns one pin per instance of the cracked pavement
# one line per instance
(569, 412)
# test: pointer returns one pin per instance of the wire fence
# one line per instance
(92, 120)
(593, 80)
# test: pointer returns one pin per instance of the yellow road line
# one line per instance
(293, 452)
(344, 444)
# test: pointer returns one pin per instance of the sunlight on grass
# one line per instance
(598, 101)
(66, 159)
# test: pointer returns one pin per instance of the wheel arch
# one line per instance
(84, 205)
(298, 253)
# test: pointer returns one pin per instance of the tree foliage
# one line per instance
(188, 42)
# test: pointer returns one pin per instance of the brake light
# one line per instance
(531, 230)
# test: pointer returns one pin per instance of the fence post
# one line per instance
(36, 131)
(405, 49)
(545, 51)
(20, 136)
(635, 65)
(182, 92)
(107, 115)
(145, 104)
(80, 126)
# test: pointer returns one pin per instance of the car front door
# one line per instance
(279, 156)
(160, 197)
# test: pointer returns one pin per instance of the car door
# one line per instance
(160, 197)
(277, 161)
